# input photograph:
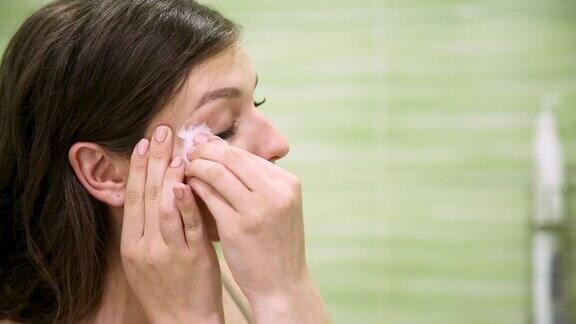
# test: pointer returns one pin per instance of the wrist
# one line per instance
(215, 318)
(181, 318)
(299, 303)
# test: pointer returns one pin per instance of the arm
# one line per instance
(166, 254)
(258, 210)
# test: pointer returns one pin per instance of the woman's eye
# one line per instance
(228, 133)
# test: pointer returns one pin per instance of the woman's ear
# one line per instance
(103, 177)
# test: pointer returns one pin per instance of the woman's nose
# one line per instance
(278, 148)
(269, 144)
(274, 146)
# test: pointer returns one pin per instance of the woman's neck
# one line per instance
(118, 303)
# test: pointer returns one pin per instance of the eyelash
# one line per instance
(229, 132)
(259, 103)
(232, 130)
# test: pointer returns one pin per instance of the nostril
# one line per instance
(285, 149)
(282, 149)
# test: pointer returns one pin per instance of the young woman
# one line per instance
(104, 217)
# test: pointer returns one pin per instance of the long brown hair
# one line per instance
(81, 70)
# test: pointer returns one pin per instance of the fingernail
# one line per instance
(200, 139)
(176, 161)
(160, 133)
(189, 153)
(178, 192)
(142, 147)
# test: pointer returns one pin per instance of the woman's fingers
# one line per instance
(247, 167)
(221, 179)
(191, 217)
(218, 205)
(170, 220)
(159, 157)
(133, 221)
(252, 170)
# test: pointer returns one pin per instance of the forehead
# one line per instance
(230, 68)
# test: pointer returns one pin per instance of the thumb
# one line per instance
(217, 140)
(201, 139)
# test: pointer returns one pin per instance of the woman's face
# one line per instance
(220, 93)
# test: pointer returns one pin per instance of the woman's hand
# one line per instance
(258, 210)
(167, 256)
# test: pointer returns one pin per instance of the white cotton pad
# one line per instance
(188, 133)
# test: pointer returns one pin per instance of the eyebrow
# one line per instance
(221, 93)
